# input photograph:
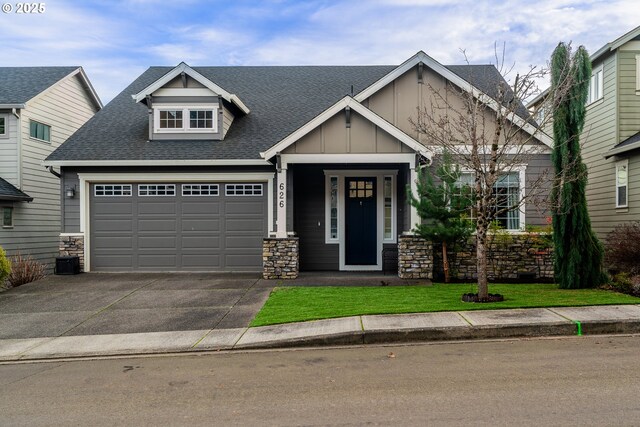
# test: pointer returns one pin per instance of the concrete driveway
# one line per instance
(102, 303)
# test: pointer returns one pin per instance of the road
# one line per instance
(568, 381)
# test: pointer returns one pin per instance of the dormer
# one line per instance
(184, 104)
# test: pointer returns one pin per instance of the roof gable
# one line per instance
(184, 68)
(19, 85)
(346, 102)
(484, 94)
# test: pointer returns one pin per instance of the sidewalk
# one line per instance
(462, 325)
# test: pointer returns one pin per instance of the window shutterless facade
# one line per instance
(7, 217)
(178, 119)
(40, 131)
(622, 179)
(596, 85)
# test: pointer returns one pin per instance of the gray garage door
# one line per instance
(177, 226)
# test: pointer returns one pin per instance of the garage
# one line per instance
(178, 226)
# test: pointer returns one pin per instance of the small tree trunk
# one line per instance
(445, 262)
(481, 264)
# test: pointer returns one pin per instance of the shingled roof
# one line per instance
(20, 84)
(281, 99)
(9, 192)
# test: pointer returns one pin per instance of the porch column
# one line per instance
(413, 177)
(281, 200)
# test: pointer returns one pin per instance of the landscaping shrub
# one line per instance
(625, 284)
(24, 270)
(5, 267)
(622, 249)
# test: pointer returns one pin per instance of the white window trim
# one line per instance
(185, 118)
(599, 70)
(637, 74)
(226, 189)
(624, 162)
(6, 126)
(521, 169)
(38, 139)
(341, 241)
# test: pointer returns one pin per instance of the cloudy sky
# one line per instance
(115, 40)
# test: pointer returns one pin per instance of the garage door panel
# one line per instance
(111, 241)
(234, 225)
(165, 233)
(200, 207)
(160, 242)
(164, 208)
(234, 206)
(202, 225)
(201, 242)
(157, 261)
(157, 225)
(201, 261)
(113, 225)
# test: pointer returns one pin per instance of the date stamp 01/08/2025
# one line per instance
(24, 8)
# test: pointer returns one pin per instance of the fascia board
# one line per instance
(204, 162)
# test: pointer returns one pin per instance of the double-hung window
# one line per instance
(3, 126)
(622, 179)
(7, 217)
(596, 85)
(181, 119)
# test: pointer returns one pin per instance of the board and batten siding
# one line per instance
(65, 107)
(9, 150)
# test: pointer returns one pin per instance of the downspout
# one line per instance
(56, 174)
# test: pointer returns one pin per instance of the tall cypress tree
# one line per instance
(578, 253)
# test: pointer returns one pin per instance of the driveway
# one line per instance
(118, 303)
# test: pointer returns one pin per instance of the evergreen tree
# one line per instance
(578, 253)
(442, 206)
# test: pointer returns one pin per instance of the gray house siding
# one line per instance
(65, 107)
(9, 150)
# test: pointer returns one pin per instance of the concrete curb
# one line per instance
(356, 330)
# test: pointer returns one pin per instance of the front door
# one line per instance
(361, 239)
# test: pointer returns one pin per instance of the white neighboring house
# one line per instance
(40, 107)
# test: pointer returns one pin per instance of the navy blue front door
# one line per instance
(360, 229)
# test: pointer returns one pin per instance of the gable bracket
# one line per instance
(347, 113)
(183, 76)
(420, 72)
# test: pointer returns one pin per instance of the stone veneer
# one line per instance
(511, 257)
(415, 257)
(280, 258)
(73, 246)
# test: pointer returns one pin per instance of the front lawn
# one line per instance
(296, 304)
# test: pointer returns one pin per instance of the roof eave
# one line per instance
(621, 150)
(10, 106)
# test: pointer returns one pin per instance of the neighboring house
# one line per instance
(40, 107)
(611, 136)
(192, 168)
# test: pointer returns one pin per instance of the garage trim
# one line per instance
(86, 179)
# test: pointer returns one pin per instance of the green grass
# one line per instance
(297, 304)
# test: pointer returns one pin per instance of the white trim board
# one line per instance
(86, 179)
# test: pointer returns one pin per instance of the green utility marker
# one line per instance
(579, 325)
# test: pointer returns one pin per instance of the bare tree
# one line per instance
(490, 133)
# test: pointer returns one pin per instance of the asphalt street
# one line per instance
(561, 381)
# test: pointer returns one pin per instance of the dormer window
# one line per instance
(179, 119)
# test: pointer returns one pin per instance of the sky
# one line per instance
(115, 41)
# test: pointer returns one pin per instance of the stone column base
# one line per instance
(280, 258)
(415, 257)
(72, 245)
